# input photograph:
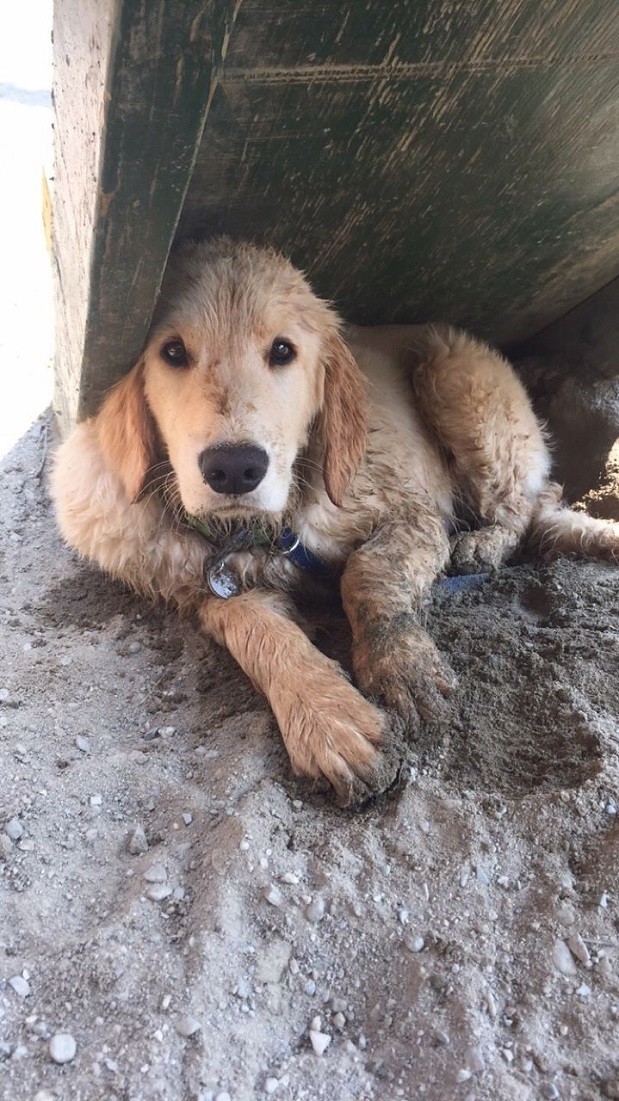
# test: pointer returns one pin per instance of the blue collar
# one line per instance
(290, 545)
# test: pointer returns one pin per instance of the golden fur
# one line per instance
(373, 438)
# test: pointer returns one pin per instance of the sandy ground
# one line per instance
(457, 940)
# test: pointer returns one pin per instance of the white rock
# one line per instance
(187, 1026)
(579, 949)
(155, 874)
(584, 991)
(292, 880)
(62, 1047)
(562, 958)
(4, 694)
(271, 1085)
(82, 744)
(319, 1041)
(415, 944)
(187, 818)
(316, 910)
(273, 895)
(158, 892)
(96, 800)
(138, 843)
(20, 986)
(14, 829)
(463, 1075)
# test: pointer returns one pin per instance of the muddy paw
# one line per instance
(481, 551)
(408, 676)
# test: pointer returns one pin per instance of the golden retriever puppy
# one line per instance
(257, 448)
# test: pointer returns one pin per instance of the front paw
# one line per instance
(407, 674)
(331, 731)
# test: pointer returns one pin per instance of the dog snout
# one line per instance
(232, 468)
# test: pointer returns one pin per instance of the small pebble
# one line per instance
(584, 991)
(403, 917)
(271, 1085)
(43, 1095)
(83, 744)
(14, 829)
(158, 891)
(62, 1047)
(134, 647)
(223, 1096)
(155, 874)
(463, 1075)
(290, 878)
(415, 944)
(273, 895)
(138, 843)
(187, 1026)
(603, 902)
(316, 910)
(96, 800)
(562, 958)
(550, 1091)
(187, 818)
(319, 1041)
(20, 986)
(339, 1021)
(4, 695)
(579, 949)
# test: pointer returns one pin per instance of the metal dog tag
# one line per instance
(222, 582)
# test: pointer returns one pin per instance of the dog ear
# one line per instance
(127, 433)
(343, 419)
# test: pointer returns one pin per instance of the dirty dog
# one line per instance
(258, 448)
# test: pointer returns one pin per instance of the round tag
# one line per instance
(222, 582)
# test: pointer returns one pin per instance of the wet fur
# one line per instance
(376, 437)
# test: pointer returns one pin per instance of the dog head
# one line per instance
(243, 371)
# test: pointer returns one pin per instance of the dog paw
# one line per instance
(408, 676)
(481, 551)
(333, 732)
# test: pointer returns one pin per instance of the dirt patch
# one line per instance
(430, 933)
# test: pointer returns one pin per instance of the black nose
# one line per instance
(232, 468)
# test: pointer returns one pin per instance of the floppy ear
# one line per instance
(343, 420)
(126, 431)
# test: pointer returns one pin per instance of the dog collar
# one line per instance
(223, 583)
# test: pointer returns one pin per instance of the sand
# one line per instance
(184, 909)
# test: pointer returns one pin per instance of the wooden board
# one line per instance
(421, 159)
(131, 89)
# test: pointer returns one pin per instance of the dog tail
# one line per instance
(556, 529)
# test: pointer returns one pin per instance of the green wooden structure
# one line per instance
(420, 159)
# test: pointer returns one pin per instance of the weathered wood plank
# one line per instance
(131, 90)
(425, 159)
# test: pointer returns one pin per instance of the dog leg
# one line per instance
(480, 411)
(383, 589)
(328, 728)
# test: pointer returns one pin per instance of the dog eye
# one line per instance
(174, 352)
(281, 353)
